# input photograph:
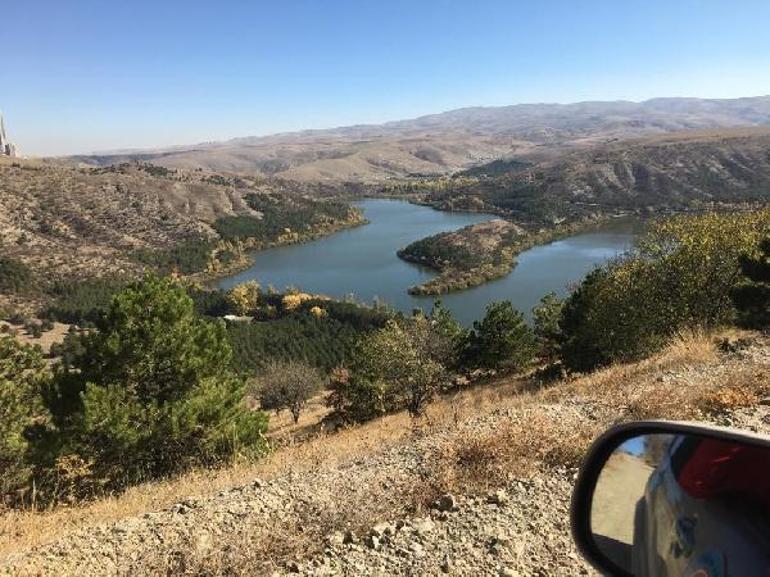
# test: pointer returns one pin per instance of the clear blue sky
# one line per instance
(84, 75)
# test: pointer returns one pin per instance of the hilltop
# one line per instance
(441, 144)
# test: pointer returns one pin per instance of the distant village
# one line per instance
(7, 148)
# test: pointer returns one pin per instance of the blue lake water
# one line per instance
(362, 261)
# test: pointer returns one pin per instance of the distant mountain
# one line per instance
(455, 140)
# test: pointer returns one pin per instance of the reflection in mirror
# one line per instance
(684, 505)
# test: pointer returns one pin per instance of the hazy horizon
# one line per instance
(85, 77)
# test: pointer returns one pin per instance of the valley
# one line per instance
(162, 312)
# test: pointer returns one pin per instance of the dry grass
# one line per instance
(524, 431)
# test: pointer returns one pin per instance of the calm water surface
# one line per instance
(363, 261)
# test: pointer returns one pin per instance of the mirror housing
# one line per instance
(605, 447)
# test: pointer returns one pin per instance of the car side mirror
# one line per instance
(668, 499)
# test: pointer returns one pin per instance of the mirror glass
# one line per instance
(682, 504)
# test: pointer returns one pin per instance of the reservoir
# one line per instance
(362, 262)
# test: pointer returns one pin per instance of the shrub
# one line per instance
(151, 392)
(697, 262)
(502, 340)
(34, 329)
(683, 275)
(15, 276)
(397, 364)
(211, 303)
(23, 374)
(752, 296)
(353, 397)
(612, 316)
(288, 385)
(448, 336)
(244, 297)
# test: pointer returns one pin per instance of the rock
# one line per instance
(335, 539)
(373, 542)
(499, 497)
(381, 530)
(446, 564)
(181, 509)
(446, 503)
(417, 549)
(294, 567)
(508, 572)
(350, 538)
(423, 525)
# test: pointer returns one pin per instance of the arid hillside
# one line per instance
(84, 220)
(677, 171)
(70, 221)
(445, 143)
(479, 486)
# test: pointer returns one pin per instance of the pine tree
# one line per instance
(151, 391)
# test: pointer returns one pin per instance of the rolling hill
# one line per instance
(444, 143)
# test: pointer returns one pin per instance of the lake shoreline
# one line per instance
(246, 260)
(453, 279)
(362, 262)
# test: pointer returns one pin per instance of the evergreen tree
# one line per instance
(502, 340)
(23, 373)
(151, 392)
(546, 316)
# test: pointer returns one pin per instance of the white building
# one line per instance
(6, 148)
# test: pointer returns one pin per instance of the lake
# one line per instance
(362, 261)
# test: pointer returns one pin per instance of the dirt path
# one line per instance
(620, 487)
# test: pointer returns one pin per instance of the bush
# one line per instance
(394, 368)
(752, 296)
(15, 276)
(210, 303)
(448, 338)
(244, 297)
(502, 340)
(151, 392)
(34, 329)
(683, 275)
(354, 398)
(23, 374)
(288, 385)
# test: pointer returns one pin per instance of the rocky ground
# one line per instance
(416, 505)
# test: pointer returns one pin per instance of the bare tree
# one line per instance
(288, 385)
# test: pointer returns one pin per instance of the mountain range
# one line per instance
(441, 144)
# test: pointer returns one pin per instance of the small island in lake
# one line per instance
(477, 253)
(466, 257)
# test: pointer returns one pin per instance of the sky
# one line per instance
(78, 76)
